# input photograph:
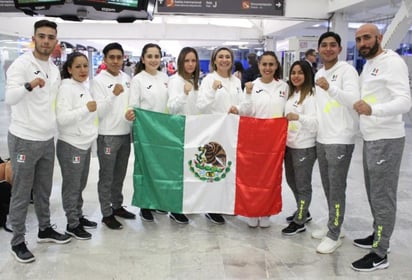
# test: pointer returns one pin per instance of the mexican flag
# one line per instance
(220, 163)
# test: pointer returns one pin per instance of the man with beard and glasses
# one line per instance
(32, 84)
(385, 96)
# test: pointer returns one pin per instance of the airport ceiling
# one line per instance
(175, 31)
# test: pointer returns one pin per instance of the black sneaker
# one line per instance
(87, 223)
(50, 235)
(146, 215)
(293, 228)
(78, 232)
(111, 222)
(365, 243)
(370, 262)
(21, 253)
(160, 212)
(215, 218)
(179, 218)
(290, 218)
(123, 213)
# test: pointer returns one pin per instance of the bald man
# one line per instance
(385, 96)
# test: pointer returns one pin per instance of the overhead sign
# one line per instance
(235, 7)
(7, 6)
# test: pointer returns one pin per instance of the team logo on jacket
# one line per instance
(36, 72)
(210, 164)
(282, 93)
(259, 91)
(334, 78)
(21, 158)
(76, 159)
(374, 71)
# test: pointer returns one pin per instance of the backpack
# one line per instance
(5, 192)
(5, 170)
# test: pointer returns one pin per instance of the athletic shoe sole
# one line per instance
(51, 240)
(177, 221)
(21, 260)
(90, 227)
(77, 237)
(367, 246)
(295, 232)
(144, 219)
(382, 266)
(214, 221)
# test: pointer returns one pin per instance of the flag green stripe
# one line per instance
(159, 142)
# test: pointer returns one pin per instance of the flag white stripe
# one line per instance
(217, 196)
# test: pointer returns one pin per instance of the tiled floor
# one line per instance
(201, 250)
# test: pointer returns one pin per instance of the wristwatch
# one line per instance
(28, 86)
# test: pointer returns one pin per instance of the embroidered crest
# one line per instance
(210, 164)
(21, 158)
(76, 159)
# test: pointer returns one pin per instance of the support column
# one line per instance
(269, 44)
(340, 26)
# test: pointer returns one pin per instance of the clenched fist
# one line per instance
(187, 88)
(91, 106)
(118, 89)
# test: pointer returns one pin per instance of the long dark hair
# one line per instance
(141, 66)
(278, 73)
(307, 86)
(68, 64)
(181, 65)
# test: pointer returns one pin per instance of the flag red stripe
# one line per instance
(260, 152)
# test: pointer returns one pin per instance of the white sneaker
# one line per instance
(321, 233)
(328, 245)
(264, 222)
(252, 222)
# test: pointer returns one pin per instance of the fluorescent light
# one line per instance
(236, 43)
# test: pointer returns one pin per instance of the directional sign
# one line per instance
(7, 6)
(233, 7)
